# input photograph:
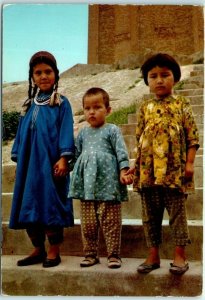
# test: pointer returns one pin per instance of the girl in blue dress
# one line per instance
(43, 147)
(99, 180)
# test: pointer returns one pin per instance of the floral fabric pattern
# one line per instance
(166, 129)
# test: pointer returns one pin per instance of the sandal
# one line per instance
(178, 270)
(89, 261)
(145, 268)
(114, 262)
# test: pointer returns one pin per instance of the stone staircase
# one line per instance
(68, 279)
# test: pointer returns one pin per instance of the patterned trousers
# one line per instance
(104, 215)
(154, 201)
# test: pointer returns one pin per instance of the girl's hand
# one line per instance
(130, 171)
(126, 177)
(189, 167)
(189, 170)
(61, 167)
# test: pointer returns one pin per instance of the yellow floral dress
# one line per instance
(166, 129)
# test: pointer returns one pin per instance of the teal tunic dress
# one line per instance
(100, 155)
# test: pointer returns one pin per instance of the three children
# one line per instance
(167, 140)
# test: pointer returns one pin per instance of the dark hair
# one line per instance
(37, 58)
(161, 60)
(96, 90)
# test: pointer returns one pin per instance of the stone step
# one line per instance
(69, 279)
(190, 92)
(199, 73)
(199, 67)
(199, 119)
(187, 86)
(197, 79)
(16, 242)
(187, 92)
(198, 110)
(130, 209)
(130, 129)
(8, 171)
(194, 99)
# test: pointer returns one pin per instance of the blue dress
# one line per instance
(44, 134)
(101, 154)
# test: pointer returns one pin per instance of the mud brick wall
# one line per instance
(118, 31)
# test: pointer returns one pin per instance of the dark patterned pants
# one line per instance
(107, 215)
(154, 201)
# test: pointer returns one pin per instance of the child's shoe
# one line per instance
(49, 263)
(178, 270)
(89, 261)
(32, 260)
(114, 262)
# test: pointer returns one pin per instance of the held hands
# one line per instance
(60, 168)
(126, 175)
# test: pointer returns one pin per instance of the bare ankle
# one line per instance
(179, 255)
(153, 256)
(53, 251)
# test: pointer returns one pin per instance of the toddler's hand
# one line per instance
(126, 177)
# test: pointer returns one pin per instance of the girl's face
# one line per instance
(95, 110)
(44, 77)
(161, 81)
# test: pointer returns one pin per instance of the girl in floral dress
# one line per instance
(167, 140)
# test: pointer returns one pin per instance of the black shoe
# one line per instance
(32, 260)
(146, 268)
(52, 262)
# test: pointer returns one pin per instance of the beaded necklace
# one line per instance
(42, 98)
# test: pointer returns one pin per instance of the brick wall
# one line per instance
(120, 31)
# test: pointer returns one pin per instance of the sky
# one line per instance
(61, 29)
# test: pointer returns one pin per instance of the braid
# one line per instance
(35, 88)
(30, 88)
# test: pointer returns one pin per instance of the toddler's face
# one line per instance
(44, 77)
(161, 81)
(95, 110)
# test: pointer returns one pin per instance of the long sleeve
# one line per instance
(120, 149)
(66, 135)
(140, 124)
(189, 125)
(15, 147)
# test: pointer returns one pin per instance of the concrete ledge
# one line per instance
(132, 243)
(69, 279)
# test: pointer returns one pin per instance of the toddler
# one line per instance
(99, 179)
